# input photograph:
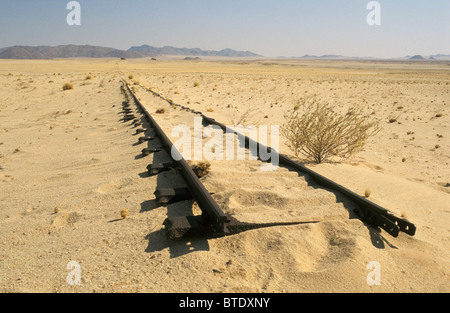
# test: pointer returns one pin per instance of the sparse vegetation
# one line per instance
(196, 84)
(89, 77)
(367, 193)
(161, 111)
(250, 116)
(124, 213)
(67, 86)
(201, 169)
(315, 130)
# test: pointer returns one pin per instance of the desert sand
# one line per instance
(69, 165)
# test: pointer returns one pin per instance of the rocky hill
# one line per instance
(168, 50)
(87, 51)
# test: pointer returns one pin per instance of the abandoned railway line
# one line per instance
(226, 210)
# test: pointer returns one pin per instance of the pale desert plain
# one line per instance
(69, 165)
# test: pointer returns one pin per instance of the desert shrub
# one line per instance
(315, 130)
(67, 86)
(250, 115)
(201, 169)
(161, 111)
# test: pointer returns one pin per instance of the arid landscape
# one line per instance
(69, 165)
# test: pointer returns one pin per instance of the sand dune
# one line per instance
(69, 165)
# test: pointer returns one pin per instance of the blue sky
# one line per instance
(267, 27)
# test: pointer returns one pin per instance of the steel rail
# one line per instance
(215, 216)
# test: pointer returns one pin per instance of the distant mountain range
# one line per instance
(86, 51)
(431, 57)
(325, 56)
(168, 50)
(66, 51)
(415, 57)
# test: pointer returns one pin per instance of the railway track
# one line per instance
(213, 221)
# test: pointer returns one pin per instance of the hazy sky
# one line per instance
(267, 27)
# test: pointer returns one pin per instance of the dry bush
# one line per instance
(315, 130)
(201, 169)
(67, 86)
(249, 116)
(161, 111)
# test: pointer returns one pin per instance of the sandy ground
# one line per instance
(69, 165)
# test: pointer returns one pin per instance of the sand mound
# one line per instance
(66, 219)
